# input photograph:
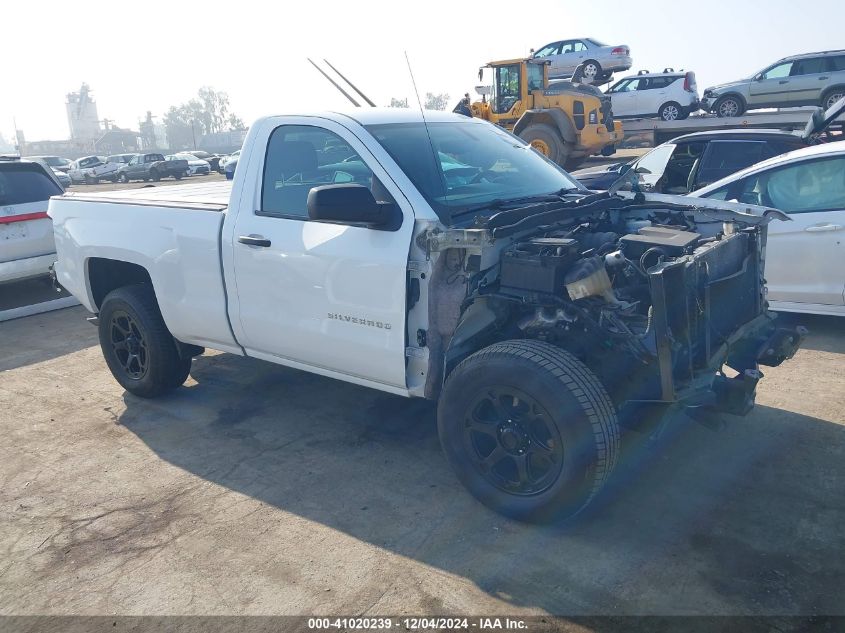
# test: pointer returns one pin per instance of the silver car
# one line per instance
(800, 80)
(600, 60)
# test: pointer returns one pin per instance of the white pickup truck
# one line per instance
(438, 257)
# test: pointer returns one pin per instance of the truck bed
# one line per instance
(171, 232)
(211, 196)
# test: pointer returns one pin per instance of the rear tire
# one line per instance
(137, 346)
(832, 96)
(670, 111)
(592, 71)
(546, 140)
(154, 175)
(729, 106)
(546, 420)
(177, 176)
(123, 178)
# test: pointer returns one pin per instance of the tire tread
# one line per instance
(582, 384)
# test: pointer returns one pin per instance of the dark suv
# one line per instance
(151, 167)
(692, 161)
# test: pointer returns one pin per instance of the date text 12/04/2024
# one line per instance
(418, 623)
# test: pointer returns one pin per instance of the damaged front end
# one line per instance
(663, 299)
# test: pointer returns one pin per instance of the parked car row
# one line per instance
(114, 168)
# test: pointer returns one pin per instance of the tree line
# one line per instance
(208, 113)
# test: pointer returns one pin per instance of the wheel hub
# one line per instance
(133, 345)
(541, 146)
(513, 438)
(512, 441)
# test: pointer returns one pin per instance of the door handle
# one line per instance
(823, 78)
(784, 81)
(819, 228)
(254, 240)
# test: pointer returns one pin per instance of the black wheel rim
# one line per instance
(512, 441)
(129, 345)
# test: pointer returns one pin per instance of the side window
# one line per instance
(535, 77)
(813, 185)
(836, 64)
(301, 157)
(577, 47)
(811, 66)
(655, 161)
(721, 193)
(723, 158)
(566, 47)
(779, 71)
(549, 49)
(507, 87)
(627, 85)
(661, 82)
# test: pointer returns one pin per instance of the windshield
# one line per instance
(477, 163)
(186, 157)
(54, 161)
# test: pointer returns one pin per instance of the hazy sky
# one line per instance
(148, 56)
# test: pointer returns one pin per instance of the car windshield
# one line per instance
(54, 161)
(477, 163)
(186, 157)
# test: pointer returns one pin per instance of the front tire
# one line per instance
(154, 175)
(528, 429)
(729, 106)
(137, 346)
(546, 140)
(123, 178)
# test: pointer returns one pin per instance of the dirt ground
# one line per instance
(257, 489)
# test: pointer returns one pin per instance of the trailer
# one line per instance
(653, 132)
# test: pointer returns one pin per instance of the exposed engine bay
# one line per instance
(655, 297)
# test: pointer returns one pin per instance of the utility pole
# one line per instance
(193, 134)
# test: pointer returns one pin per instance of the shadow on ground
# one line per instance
(41, 337)
(744, 520)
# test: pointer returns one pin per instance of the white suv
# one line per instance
(669, 95)
(27, 248)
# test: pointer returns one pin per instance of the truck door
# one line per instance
(330, 298)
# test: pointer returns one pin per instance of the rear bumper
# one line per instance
(19, 269)
(618, 63)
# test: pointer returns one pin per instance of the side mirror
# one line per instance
(642, 170)
(758, 77)
(350, 203)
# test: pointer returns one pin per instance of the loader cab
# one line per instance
(513, 84)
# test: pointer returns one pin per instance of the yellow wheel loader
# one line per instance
(566, 121)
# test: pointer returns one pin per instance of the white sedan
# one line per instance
(805, 258)
(196, 166)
